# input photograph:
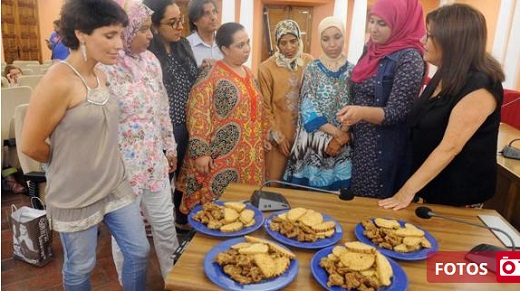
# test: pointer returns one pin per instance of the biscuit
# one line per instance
(425, 243)
(324, 226)
(255, 248)
(325, 234)
(359, 247)
(409, 225)
(412, 242)
(311, 218)
(240, 245)
(246, 216)
(237, 206)
(409, 232)
(338, 250)
(232, 227)
(251, 223)
(283, 216)
(230, 215)
(401, 248)
(266, 264)
(295, 213)
(272, 246)
(387, 223)
(357, 261)
(281, 264)
(384, 269)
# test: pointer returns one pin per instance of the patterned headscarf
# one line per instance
(284, 27)
(137, 13)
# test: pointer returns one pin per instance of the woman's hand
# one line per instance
(333, 147)
(342, 137)
(203, 165)
(400, 200)
(350, 115)
(285, 147)
(172, 160)
(267, 146)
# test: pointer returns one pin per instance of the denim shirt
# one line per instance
(394, 144)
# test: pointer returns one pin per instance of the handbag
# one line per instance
(32, 235)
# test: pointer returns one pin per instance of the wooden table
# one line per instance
(188, 273)
(507, 197)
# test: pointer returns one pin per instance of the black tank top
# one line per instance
(471, 176)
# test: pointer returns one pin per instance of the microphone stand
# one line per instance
(513, 247)
(343, 194)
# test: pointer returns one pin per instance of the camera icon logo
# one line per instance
(508, 267)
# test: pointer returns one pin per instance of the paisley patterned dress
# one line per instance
(224, 122)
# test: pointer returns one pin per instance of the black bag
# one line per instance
(32, 236)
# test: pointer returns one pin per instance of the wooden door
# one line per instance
(276, 13)
(20, 30)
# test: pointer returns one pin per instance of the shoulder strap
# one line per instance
(80, 76)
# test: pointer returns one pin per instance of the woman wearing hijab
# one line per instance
(145, 132)
(320, 156)
(280, 79)
(386, 82)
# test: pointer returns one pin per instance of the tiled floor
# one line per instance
(20, 276)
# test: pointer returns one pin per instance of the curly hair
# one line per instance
(86, 16)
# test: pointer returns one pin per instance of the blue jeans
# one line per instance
(158, 210)
(79, 249)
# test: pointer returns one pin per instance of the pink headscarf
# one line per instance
(405, 19)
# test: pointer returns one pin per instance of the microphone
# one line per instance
(426, 213)
(270, 201)
(343, 194)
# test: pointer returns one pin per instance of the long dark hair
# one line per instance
(461, 34)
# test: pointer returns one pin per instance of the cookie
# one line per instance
(295, 213)
(237, 206)
(359, 247)
(230, 215)
(384, 269)
(387, 223)
(357, 261)
(247, 216)
(232, 227)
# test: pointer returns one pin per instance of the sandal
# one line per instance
(11, 185)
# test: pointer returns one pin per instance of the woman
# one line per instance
(12, 73)
(280, 79)
(320, 156)
(86, 179)
(224, 123)
(179, 74)
(385, 83)
(455, 122)
(145, 132)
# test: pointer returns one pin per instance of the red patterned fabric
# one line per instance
(511, 108)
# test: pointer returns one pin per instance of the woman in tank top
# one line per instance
(86, 179)
(454, 124)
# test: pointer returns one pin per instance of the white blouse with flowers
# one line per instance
(145, 129)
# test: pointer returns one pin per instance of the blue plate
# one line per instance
(318, 244)
(200, 227)
(399, 280)
(217, 276)
(421, 254)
